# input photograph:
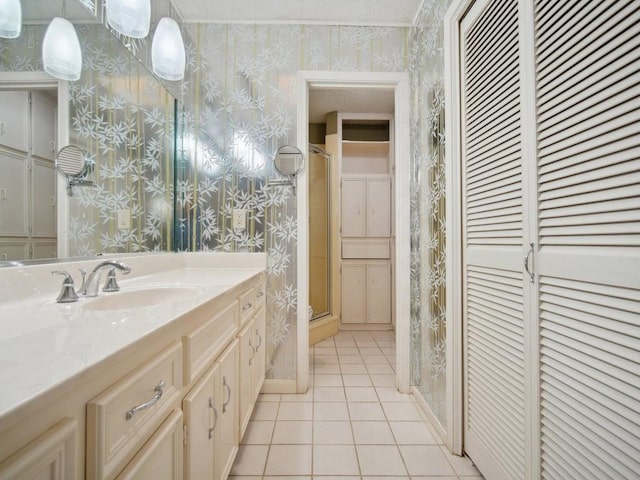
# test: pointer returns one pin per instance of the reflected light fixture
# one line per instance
(167, 50)
(129, 17)
(10, 18)
(61, 53)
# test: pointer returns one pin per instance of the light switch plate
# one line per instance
(239, 219)
(124, 219)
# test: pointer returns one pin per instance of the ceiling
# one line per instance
(349, 100)
(333, 12)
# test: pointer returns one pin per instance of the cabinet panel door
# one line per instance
(45, 248)
(43, 133)
(44, 198)
(14, 248)
(260, 358)
(200, 417)
(379, 292)
(353, 292)
(14, 120)
(161, 457)
(52, 456)
(247, 353)
(14, 194)
(378, 207)
(353, 207)
(227, 396)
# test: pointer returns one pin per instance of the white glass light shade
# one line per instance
(129, 17)
(167, 50)
(61, 53)
(10, 18)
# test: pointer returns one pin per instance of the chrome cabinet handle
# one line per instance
(253, 353)
(246, 307)
(158, 389)
(226, 385)
(259, 340)
(526, 263)
(260, 295)
(215, 416)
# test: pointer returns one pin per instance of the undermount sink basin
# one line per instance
(141, 298)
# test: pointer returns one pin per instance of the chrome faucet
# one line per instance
(91, 283)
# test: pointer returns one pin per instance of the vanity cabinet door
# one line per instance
(247, 353)
(227, 394)
(51, 456)
(161, 457)
(201, 416)
(259, 362)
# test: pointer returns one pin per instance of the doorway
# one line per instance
(398, 83)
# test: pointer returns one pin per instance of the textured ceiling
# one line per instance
(334, 12)
(349, 100)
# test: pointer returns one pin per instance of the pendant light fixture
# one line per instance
(167, 50)
(61, 53)
(10, 18)
(129, 17)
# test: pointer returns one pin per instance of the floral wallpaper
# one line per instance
(241, 92)
(428, 227)
(124, 118)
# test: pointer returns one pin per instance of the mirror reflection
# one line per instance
(117, 112)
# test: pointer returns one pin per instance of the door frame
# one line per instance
(41, 81)
(399, 83)
(453, 212)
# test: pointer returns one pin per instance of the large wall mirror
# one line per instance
(118, 112)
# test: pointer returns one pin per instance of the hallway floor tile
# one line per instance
(352, 424)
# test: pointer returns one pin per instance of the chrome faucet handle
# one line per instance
(68, 293)
(111, 285)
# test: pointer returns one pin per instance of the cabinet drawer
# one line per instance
(247, 305)
(365, 249)
(204, 344)
(123, 417)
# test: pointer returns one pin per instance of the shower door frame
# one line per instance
(399, 83)
(327, 158)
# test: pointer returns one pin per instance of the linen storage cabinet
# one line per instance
(366, 232)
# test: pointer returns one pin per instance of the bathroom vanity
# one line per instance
(156, 381)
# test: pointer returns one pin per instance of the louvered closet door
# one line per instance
(588, 79)
(493, 229)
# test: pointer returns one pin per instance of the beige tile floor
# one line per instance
(352, 424)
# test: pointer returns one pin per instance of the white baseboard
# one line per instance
(433, 420)
(272, 385)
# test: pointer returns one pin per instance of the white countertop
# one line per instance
(44, 343)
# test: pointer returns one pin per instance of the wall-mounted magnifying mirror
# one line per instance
(71, 162)
(289, 160)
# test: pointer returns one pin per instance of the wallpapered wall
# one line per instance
(241, 96)
(428, 275)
